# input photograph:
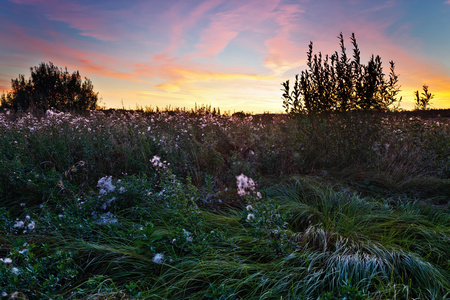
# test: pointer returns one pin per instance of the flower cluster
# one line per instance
(8, 261)
(245, 185)
(158, 164)
(25, 224)
(105, 185)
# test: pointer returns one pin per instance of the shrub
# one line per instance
(338, 83)
(50, 86)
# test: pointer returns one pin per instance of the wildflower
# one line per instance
(188, 235)
(249, 207)
(27, 218)
(250, 217)
(107, 218)
(158, 258)
(258, 194)
(31, 225)
(157, 163)
(19, 224)
(244, 183)
(105, 185)
(7, 260)
(15, 271)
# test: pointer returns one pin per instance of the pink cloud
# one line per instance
(182, 21)
(282, 52)
(89, 62)
(227, 24)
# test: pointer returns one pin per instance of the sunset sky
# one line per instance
(231, 54)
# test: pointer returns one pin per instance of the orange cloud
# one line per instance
(183, 76)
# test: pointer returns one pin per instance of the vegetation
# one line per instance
(50, 87)
(195, 205)
(423, 101)
(338, 83)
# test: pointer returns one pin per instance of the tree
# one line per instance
(340, 83)
(50, 86)
(423, 101)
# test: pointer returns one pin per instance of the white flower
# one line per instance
(158, 258)
(158, 164)
(258, 194)
(6, 260)
(31, 225)
(15, 271)
(249, 207)
(250, 216)
(244, 184)
(107, 218)
(27, 218)
(189, 239)
(105, 185)
(19, 224)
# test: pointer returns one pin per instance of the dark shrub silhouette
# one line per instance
(339, 83)
(423, 100)
(50, 86)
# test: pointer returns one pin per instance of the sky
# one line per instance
(230, 54)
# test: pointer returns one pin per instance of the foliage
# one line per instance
(50, 87)
(191, 205)
(423, 101)
(339, 83)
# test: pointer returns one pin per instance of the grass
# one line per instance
(145, 205)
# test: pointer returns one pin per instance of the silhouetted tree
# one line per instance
(50, 86)
(423, 101)
(340, 83)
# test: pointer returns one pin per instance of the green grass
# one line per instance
(352, 206)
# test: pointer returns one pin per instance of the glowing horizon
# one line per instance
(225, 53)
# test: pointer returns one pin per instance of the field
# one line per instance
(197, 205)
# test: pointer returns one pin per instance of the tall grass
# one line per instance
(352, 205)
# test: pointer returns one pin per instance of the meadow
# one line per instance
(178, 204)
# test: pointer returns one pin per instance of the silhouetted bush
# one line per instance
(50, 86)
(423, 100)
(339, 83)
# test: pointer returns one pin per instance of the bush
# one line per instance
(50, 86)
(338, 83)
